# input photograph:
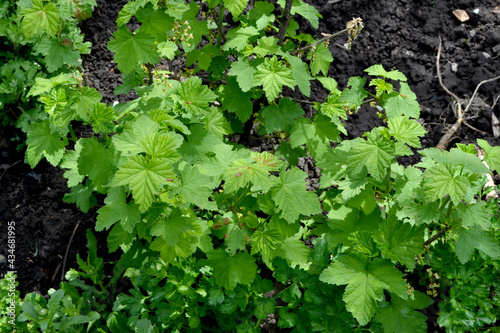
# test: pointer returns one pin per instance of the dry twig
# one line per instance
(67, 251)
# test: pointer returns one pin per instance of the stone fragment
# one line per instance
(461, 15)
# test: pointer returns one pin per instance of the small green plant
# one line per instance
(214, 234)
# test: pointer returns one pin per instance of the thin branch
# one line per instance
(322, 40)
(477, 88)
(445, 140)
(10, 166)
(436, 236)
(67, 251)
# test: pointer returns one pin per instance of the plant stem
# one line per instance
(73, 135)
(150, 68)
(436, 236)
(322, 40)
(220, 36)
(285, 21)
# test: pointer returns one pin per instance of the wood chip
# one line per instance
(461, 15)
(496, 10)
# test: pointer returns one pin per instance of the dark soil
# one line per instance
(399, 34)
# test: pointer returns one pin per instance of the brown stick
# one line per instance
(445, 140)
(67, 251)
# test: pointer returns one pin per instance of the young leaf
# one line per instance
(316, 135)
(244, 71)
(144, 177)
(492, 156)
(82, 196)
(194, 188)
(406, 131)
(236, 7)
(117, 210)
(39, 19)
(293, 250)
(356, 95)
(102, 118)
(231, 270)
(476, 238)
(238, 38)
(84, 100)
(134, 140)
(321, 59)
(57, 54)
(402, 103)
(399, 241)
(241, 172)
(399, 314)
(43, 142)
(132, 50)
(234, 100)
(224, 156)
(273, 75)
(378, 70)
(375, 154)
(366, 280)
(262, 14)
(291, 196)
(97, 161)
(265, 243)
(280, 117)
(443, 179)
(195, 97)
(300, 73)
(70, 163)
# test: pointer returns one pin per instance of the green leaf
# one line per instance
(291, 196)
(238, 38)
(132, 50)
(378, 70)
(162, 146)
(265, 242)
(234, 100)
(300, 73)
(273, 75)
(244, 71)
(280, 117)
(117, 209)
(407, 184)
(171, 228)
(402, 103)
(399, 241)
(82, 196)
(375, 154)
(291, 155)
(476, 238)
(366, 280)
(399, 314)
(144, 177)
(216, 123)
(406, 130)
(263, 307)
(294, 251)
(473, 214)
(43, 85)
(155, 22)
(43, 142)
(381, 86)
(40, 19)
(57, 54)
(321, 59)
(236, 7)
(70, 163)
(194, 188)
(218, 164)
(492, 156)
(102, 118)
(241, 172)
(355, 96)
(134, 140)
(456, 157)
(444, 179)
(195, 98)
(316, 135)
(167, 49)
(231, 270)
(418, 213)
(266, 45)
(262, 14)
(199, 142)
(97, 161)
(84, 100)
